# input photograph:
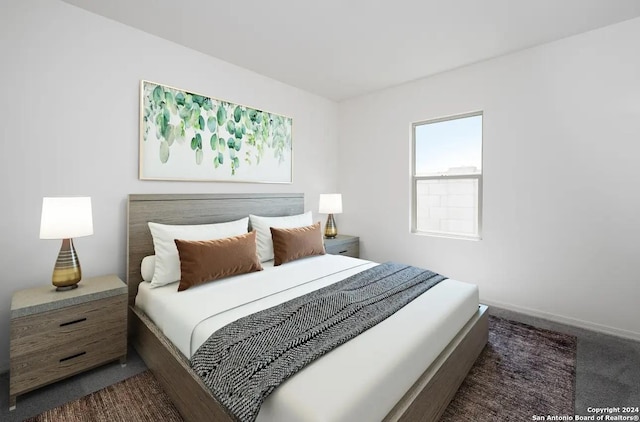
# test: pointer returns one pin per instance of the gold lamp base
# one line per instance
(330, 229)
(67, 272)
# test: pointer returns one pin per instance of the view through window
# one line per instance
(447, 176)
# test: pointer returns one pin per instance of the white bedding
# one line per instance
(360, 380)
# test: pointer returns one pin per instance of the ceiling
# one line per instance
(341, 49)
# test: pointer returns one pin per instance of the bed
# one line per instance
(418, 385)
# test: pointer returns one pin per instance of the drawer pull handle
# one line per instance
(64, 324)
(345, 251)
(73, 356)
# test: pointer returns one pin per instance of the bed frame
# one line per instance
(425, 401)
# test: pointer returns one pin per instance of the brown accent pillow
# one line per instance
(208, 260)
(296, 243)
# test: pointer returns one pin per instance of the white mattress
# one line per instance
(360, 380)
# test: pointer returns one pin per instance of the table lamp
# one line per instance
(330, 203)
(66, 218)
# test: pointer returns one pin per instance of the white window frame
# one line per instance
(415, 179)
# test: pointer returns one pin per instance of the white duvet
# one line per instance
(362, 379)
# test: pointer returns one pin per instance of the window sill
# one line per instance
(447, 235)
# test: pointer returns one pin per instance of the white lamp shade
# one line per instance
(330, 203)
(65, 218)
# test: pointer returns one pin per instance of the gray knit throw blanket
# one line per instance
(243, 362)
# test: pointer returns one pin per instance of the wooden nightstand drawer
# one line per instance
(348, 249)
(55, 335)
(66, 326)
(34, 369)
(343, 245)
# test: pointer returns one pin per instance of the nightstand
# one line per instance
(55, 335)
(343, 244)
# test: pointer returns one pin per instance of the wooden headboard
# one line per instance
(193, 209)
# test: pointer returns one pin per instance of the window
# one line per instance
(447, 176)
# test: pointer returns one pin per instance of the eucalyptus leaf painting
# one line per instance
(187, 136)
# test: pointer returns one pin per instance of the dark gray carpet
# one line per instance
(523, 371)
(607, 367)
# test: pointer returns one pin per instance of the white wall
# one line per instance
(69, 98)
(561, 177)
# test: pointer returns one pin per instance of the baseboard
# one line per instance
(587, 325)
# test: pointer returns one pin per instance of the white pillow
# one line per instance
(263, 226)
(147, 267)
(167, 268)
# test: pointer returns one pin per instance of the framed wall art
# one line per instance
(188, 136)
